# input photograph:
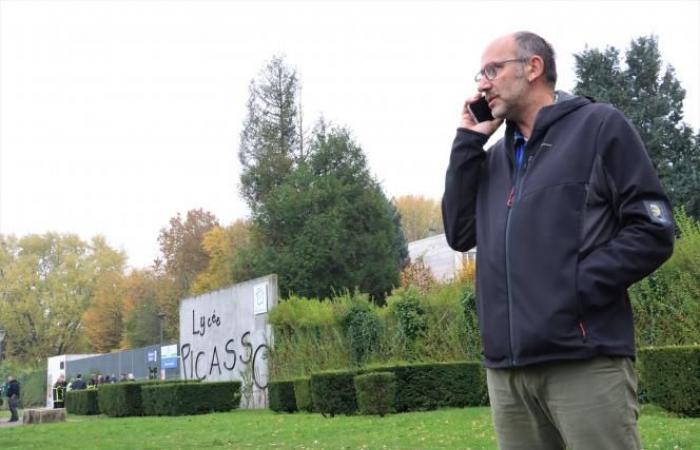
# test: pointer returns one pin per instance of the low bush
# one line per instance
(333, 392)
(429, 386)
(83, 402)
(376, 393)
(281, 395)
(419, 387)
(302, 394)
(174, 399)
(671, 378)
(121, 399)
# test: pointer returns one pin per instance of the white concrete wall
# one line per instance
(224, 335)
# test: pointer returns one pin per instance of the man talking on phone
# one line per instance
(567, 212)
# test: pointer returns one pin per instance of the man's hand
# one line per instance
(468, 121)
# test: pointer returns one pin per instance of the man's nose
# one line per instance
(483, 85)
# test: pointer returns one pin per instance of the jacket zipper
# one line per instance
(508, 282)
(515, 192)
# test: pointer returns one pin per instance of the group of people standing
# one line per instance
(61, 386)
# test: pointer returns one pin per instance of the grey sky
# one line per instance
(115, 115)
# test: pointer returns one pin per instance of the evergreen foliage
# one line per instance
(652, 98)
(302, 394)
(83, 402)
(120, 399)
(271, 140)
(175, 399)
(333, 392)
(419, 387)
(426, 386)
(319, 219)
(329, 226)
(671, 377)
(281, 396)
(376, 393)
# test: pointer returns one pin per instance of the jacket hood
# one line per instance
(566, 103)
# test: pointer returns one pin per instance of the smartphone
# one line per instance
(480, 110)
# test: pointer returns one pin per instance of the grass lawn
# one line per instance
(468, 428)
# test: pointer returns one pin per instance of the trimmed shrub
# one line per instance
(436, 385)
(281, 395)
(174, 399)
(419, 387)
(671, 378)
(302, 394)
(376, 393)
(333, 392)
(83, 402)
(121, 399)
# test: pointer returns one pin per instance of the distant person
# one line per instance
(78, 384)
(12, 393)
(59, 392)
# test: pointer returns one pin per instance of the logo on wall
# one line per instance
(260, 298)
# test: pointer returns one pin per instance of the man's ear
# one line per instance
(535, 68)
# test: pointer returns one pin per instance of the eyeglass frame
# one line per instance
(497, 65)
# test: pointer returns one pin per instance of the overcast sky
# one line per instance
(116, 115)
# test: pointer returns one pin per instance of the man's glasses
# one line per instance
(490, 70)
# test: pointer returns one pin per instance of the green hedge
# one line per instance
(281, 395)
(333, 392)
(376, 393)
(429, 386)
(83, 402)
(671, 378)
(121, 399)
(302, 394)
(174, 399)
(419, 387)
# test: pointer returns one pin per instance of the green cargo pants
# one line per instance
(578, 405)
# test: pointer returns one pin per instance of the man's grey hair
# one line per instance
(530, 44)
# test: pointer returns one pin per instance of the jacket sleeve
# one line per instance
(646, 229)
(461, 184)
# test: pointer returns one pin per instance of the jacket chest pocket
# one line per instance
(552, 165)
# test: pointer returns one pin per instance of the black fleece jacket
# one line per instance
(13, 388)
(561, 239)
